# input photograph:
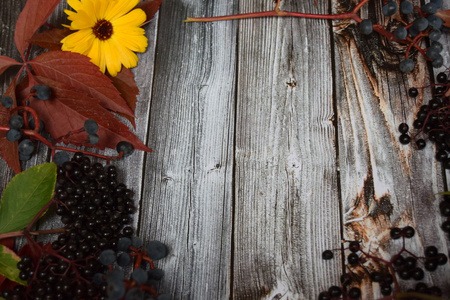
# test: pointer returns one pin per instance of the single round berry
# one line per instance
(403, 128)
(408, 232)
(407, 65)
(420, 24)
(140, 276)
(16, 122)
(430, 265)
(26, 147)
(327, 255)
(400, 33)
(420, 144)
(395, 233)
(353, 259)
(7, 101)
(406, 7)
(366, 27)
(429, 8)
(107, 257)
(43, 92)
(123, 244)
(389, 8)
(60, 157)
(125, 147)
(404, 139)
(431, 251)
(441, 77)
(413, 92)
(354, 293)
(13, 135)
(93, 139)
(334, 291)
(90, 126)
(156, 274)
(157, 250)
(417, 274)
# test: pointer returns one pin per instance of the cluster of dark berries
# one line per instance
(432, 122)
(142, 283)
(96, 210)
(425, 24)
(402, 266)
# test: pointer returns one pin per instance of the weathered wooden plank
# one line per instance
(286, 202)
(188, 179)
(383, 183)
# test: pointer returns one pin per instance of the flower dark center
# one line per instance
(102, 29)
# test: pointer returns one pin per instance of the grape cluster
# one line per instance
(432, 122)
(425, 24)
(402, 266)
(97, 211)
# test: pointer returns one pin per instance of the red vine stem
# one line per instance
(281, 13)
(24, 232)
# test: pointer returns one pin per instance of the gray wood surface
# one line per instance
(274, 139)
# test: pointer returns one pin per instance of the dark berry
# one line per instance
(334, 291)
(420, 144)
(431, 251)
(396, 233)
(404, 139)
(408, 232)
(441, 77)
(327, 254)
(354, 293)
(125, 147)
(353, 259)
(413, 92)
(43, 92)
(403, 128)
(7, 101)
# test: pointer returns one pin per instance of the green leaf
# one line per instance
(25, 195)
(8, 265)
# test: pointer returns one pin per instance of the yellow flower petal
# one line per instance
(134, 18)
(118, 8)
(108, 31)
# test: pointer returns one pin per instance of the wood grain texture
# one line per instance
(286, 200)
(188, 179)
(384, 184)
(273, 139)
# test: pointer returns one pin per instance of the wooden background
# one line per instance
(274, 139)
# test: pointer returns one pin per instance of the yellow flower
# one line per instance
(109, 32)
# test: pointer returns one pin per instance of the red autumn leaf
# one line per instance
(6, 62)
(78, 72)
(444, 15)
(34, 15)
(67, 111)
(9, 150)
(126, 85)
(149, 7)
(50, 39)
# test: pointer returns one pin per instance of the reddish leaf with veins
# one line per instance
(77, 71)
(50, 39)
(6, 62)
(67, 111)
(149, 7)
(34, 15)
(9, 150)
(125, 84)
